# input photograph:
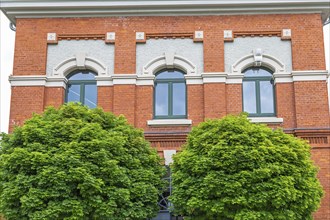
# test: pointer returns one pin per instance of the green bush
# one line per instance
(78, 163)
(233, 169)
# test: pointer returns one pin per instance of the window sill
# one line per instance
(271, 120)
(165, 122)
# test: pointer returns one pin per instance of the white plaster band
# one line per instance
(134, 79)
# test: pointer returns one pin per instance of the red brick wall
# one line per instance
(24, 102)
(214, 100)
(105, 98)
(285, 104)
(311, 102)
(234, 98)
(144, 107)
(301, 104)
(195, 94)
(321, 156)
(54, 96)
(124, 101)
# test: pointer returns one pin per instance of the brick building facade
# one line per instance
(212, 46)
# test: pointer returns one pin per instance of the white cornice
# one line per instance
(83, 8)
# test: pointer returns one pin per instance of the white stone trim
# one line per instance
(145, 80)
(169, 60)
(18, 8)
(37, 80)
(234, 79)
(32, 80)
(193, 79)
(283, 78)
(165, 122)
(51, 37)
(139, 35)
(104, 81)
(313, 75)
(227, 34)
(111, 36)
(79, 61)
(56, 82)
(124, 79)
(214, 77)
(265, 120)
(199, 35)
(141, 80)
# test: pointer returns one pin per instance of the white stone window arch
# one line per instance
(79, 62)
(169, 61)
(257, 58)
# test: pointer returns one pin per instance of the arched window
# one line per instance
(170, 99)
(258, 92)
(82, 88)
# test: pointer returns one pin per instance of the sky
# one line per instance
(7, 42)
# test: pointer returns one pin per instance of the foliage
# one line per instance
(78, 163)
(233, 169)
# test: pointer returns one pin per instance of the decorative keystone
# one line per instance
(286, 34)
(198, 36)
(140, 37)
(258, 56)
(51, 38)
(228, 35)
(110, 37)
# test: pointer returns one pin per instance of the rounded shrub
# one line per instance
(78, 163)
(234, 169)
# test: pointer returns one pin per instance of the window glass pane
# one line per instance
(73, 93)
(179, 99)
(170, 75)
(257, 72)
(266, 97)
(90, 98)
(161, 99)
(249, 97)
(82, 76)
